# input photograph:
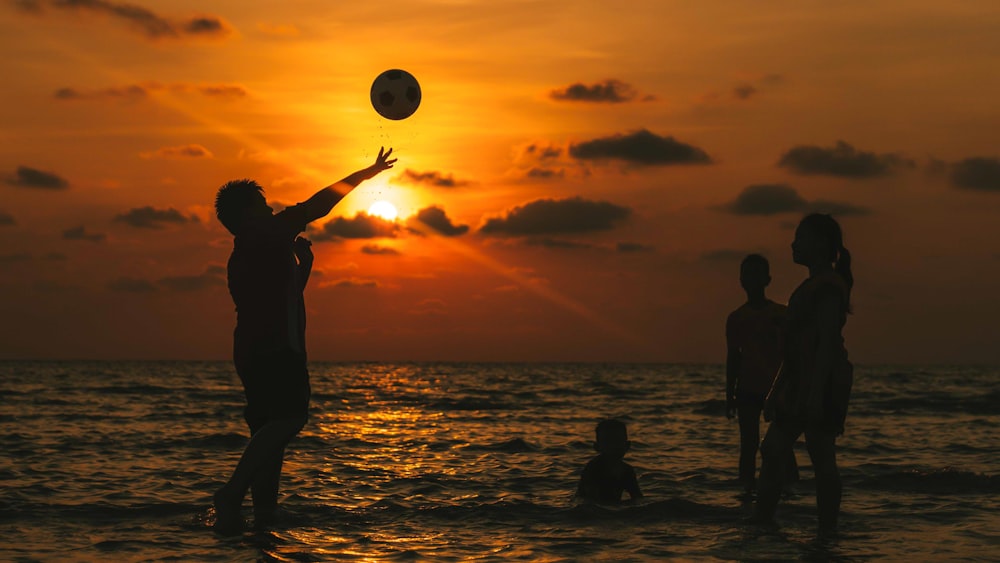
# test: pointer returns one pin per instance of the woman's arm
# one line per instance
(816, 378)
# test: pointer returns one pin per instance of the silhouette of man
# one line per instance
(268, 270)
(754, 342)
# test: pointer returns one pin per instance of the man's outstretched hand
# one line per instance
(382, 162)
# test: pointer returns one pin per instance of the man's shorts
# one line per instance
(276, 384)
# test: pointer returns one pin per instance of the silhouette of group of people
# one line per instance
(787, 363)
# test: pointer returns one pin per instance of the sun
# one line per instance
(383, 209)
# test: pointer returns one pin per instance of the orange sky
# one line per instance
(628, 154)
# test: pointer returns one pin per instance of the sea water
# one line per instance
(117, 461)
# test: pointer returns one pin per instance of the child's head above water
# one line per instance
(612, 438)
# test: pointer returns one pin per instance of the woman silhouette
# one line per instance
(811, 391)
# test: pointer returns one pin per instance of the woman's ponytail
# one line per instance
(827, 228)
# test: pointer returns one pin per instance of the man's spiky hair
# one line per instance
(232, 201)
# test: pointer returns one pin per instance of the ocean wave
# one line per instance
(709, 407)
(512, 446)
(138, 389)
(948, 480)
(937, 402)
(94, 511)
(210, 442)
(469, 404)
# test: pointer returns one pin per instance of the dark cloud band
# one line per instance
(27, 177)
(152, 218)
(610, 91)
(841, 160)
(774, 199)
(977, 173)
(554, 216)
(361, 226)
(641, 147)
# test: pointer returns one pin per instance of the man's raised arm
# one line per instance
(323, 201)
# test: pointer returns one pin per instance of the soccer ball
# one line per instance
(395, 94)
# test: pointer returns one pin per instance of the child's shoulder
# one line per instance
(739, 312)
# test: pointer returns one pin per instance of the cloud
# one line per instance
(205, 25)
(557, 243)
(749, 87)
(640, 147)
(544, 173)
(361, 226)
(214, 276)
(436, 219)
(610, 91)
(15, 257)
(6, 219)
(181, 151)
(767, 199)
(552, 216)
(26, 177)
(223, 91)
(773, 199)
(630, 247)
(841, 160)
(541, 153)
(129, 93)
(377, 250)
(139, 19)
(152, 218)
(977, 173)
(131, 285)
(79, 233)
(540, 161)
(28, 6)
(349, 283)
(432, 178)
(744, 91)
(724, 255)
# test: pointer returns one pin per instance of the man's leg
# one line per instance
(822, 452)
(266, 446)
(264, 491)
(749, 420)
(778, 442)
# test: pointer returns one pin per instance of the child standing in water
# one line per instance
(606, 476)
(754, 342)
(812, 390)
